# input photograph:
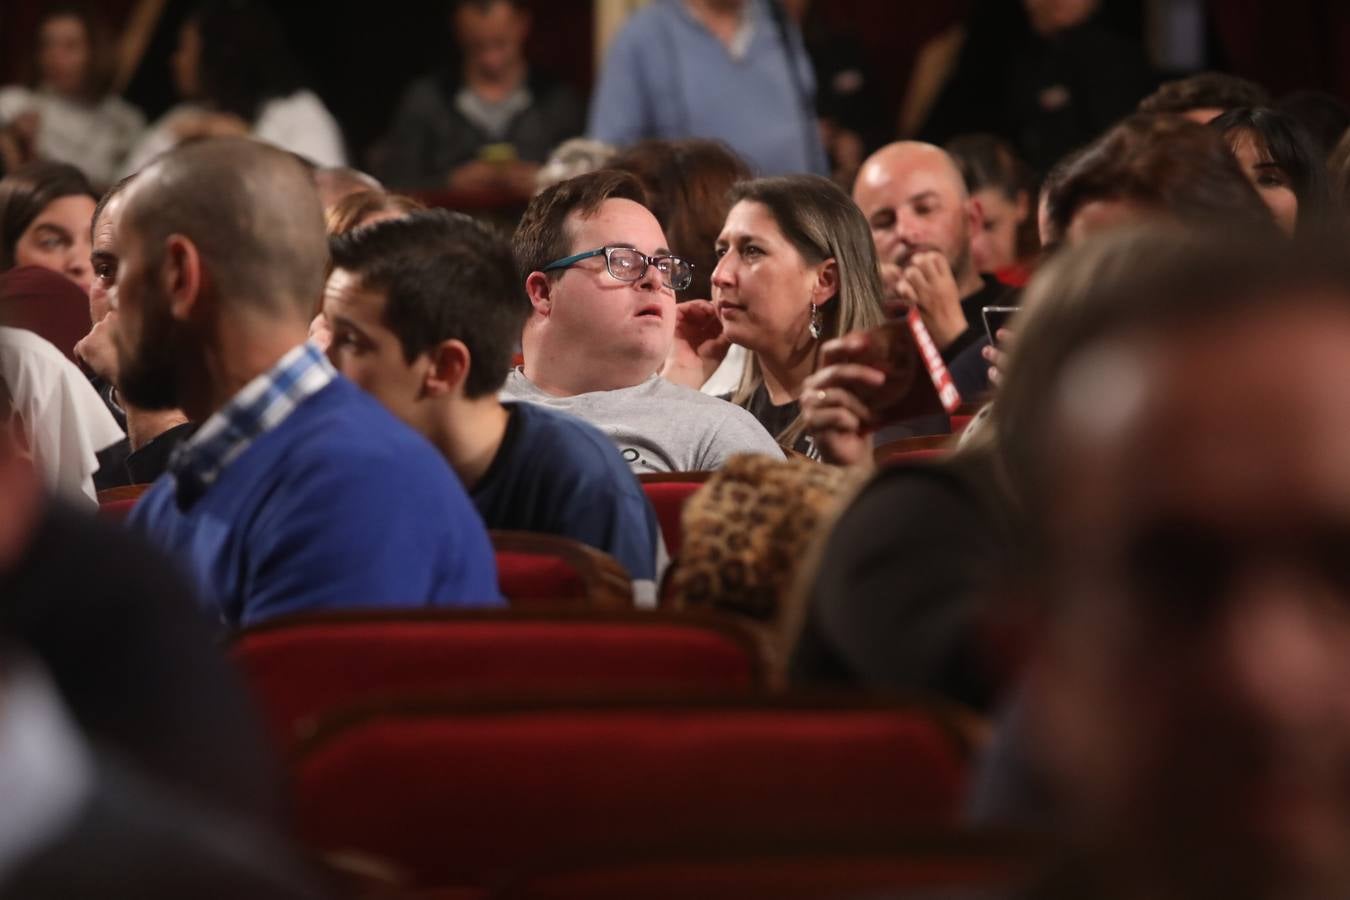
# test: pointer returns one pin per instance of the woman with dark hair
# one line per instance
(237, 76)
(1001, 183)
(1282, 163)
(67, 111)
(45, 212)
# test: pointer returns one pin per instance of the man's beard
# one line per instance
(148, 375)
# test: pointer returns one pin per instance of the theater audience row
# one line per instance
(1131, 557)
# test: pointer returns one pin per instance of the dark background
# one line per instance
(360, 54)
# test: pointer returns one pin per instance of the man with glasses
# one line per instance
(425, 312)
(601, 283)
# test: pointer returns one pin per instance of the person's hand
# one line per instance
(997, 355)
(518, 177)
(699, 347)
(18, 139)
(98, 350)
(928, 283)
(834, 411)
(476, 175)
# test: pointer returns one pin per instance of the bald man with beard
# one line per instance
(298, 492)
(922, 220)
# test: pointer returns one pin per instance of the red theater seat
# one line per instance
(464, 794)
(548, 569)
(943, 863)
(300, 667)
(916, 449)
(668, 492)
(115, 504)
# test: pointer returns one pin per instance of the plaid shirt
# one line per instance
(263, 404)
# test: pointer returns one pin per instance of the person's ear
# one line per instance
(449, 369)
(539, 288)
(975, 215)
(826, 286)
(181, 276)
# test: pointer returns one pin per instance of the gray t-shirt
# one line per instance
(659, 426)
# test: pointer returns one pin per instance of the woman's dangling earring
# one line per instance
(815, 322)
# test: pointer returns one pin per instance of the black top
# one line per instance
(119, 465)
(898, 601)
(777, 419)
(126, 646)
(431, 137)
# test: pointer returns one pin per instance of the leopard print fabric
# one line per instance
(748, 529)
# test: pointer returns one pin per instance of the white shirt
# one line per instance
(64, 417)
(299, 123)
(95, 137)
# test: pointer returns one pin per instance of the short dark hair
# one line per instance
(1208, 90)
(445, 276)
(107, 198)
(1290, 147)
(542, 235)
(27, 191)
(1162, 161)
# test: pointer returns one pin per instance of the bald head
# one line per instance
(900, 159)
(915, 199)
(250, 210)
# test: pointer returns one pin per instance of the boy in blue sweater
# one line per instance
(425, 311)
(298, 492)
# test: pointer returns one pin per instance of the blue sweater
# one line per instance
(667, 76)
(556, 474)
(340, 506)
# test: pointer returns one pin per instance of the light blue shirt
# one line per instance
(667, 76)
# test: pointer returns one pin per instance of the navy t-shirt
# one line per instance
(555, 474)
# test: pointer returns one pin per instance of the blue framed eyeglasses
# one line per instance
(628, 264)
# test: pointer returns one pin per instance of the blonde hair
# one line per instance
(821, 222)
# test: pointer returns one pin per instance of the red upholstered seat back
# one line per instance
(46, 303)
(301, 667)
(115, 504)
(462, 794)
(668, 492)
(940, 865)
(550, 569)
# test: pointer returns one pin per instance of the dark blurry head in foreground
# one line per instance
(1188, 504)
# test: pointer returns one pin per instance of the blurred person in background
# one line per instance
(728, 70)
(573, 157)
(67, 112)
(490, 123)
(237, 77)
(796, 267)
(1282, 163)
(45, 213)
(1001, 184)
(1205, 96)
(1048, 76)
